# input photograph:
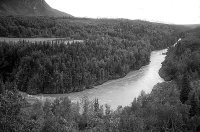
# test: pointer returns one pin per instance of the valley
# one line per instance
(62, 73)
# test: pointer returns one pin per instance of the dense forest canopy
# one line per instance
(182, 65)
(111, 48)
(63, 68)
(183, 59)
(159, 35)
(161, 110)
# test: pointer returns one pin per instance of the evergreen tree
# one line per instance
(185, 90)
(194, 110)
(96, 105)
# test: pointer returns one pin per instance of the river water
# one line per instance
(122, 91)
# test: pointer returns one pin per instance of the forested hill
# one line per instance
(182, 63)
(171, 106)
(159, 35)
(111, 48)
(29, 8)
(183, 59)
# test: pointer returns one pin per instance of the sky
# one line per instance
(166, 11)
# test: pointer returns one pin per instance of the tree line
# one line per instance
(43, 67)
(182, 66)
(111, 48)
(159, 35)
(161, 110)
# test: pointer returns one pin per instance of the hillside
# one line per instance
(29, 8)
(111, 48)
(85, 28)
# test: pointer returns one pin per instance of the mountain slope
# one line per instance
(29, 8)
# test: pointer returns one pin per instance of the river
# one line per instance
(122, 91)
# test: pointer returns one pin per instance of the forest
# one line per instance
(159, 35)
(111, 49)
(43, 67)
(63, 68)
(172, 106)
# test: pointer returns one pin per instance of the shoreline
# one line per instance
(105, 88)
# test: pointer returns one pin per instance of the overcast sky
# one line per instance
(168, 11)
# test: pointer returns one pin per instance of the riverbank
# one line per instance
(120, 91)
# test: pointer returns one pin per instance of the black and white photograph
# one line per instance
(99, 65)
